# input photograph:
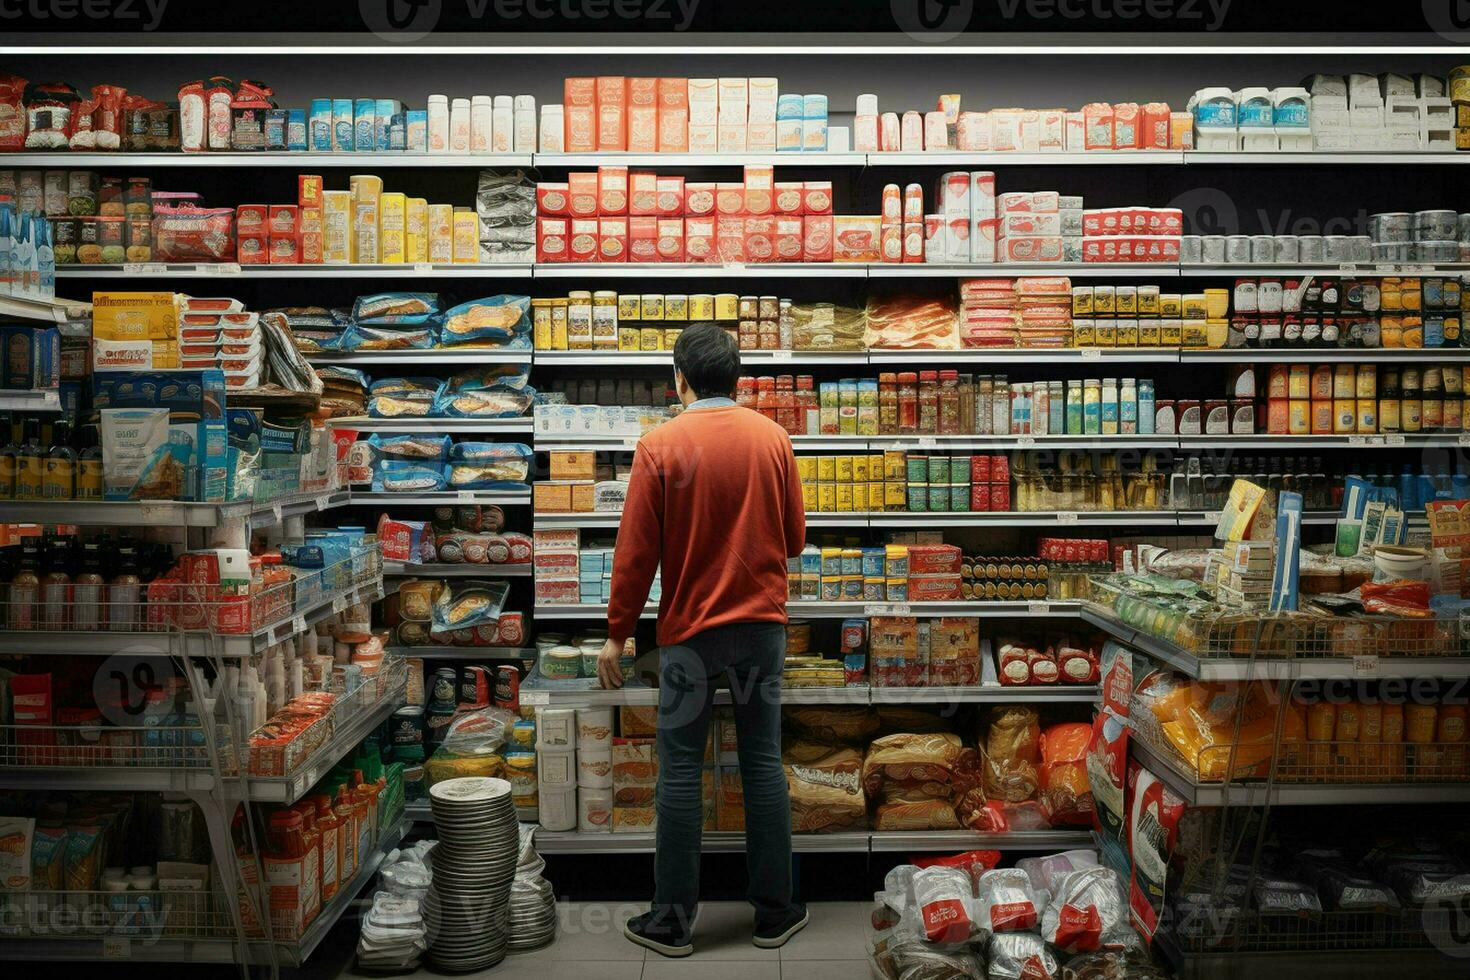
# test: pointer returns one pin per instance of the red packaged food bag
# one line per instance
(1066, 796)
(973, 863)
(942, 897)
(1007, 901)
(1077, 665)
(49, 107)
(1089, 911)
(12, 112)
(1014, 667)
(190, 234)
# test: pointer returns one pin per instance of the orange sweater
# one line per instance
(715, 498)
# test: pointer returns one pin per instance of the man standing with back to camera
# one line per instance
(715, 499)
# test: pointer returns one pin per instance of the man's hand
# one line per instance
(609, 666)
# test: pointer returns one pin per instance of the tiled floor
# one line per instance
(832, 947)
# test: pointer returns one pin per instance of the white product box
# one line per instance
(1051, 134)
(1032, 223)
(957, 239)
(982, 194)
(704, 138)
(814, 135)
(556, 768)
(1076, 133)
(788, 134)
(763, 99)
(731, 137)
(734, 95)
(704, 102)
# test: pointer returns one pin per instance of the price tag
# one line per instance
(1384, 267)
(780, 355)
(324, 501)
(734, 266)
(927, 442)
(117, 948)
(1348, 269)
(1394, 440)
(339, 603)
(630, 443)
(143, 268)
(1091, 354)
(1357, 440)
(467, 496)
(886, 609)
(218, 268)
(1464, 439)
(298, 625)
(1035, 608)
(1066, 517)
(535, 698)
(1365, 665)
(423, 268)
(1026, 442)
(150, 513)
(1212, 517)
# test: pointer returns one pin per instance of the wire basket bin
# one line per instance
(142, 916)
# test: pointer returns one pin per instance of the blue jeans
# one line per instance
(750, 656)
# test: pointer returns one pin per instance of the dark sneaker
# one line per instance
(660, 932)
(774, 936)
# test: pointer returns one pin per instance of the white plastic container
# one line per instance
(558, 809)
(459, 126)
(505, 125)
(594, 728)
(594, 811)
(594, 769)
(525, 124)
(552, 136)
(438, 124)
(556, 728)
(557, 768)
(482, 123)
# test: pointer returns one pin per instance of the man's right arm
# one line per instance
(639, 546)
(795, 507)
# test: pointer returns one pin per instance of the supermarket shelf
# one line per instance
(1108, 270)
(842, 610)
(50, 311)
(1027, 355)
(98, 779)
(419, 424)
(831, 443)
(970, 159)
(1004, 518)
(1012, 442)
(98, 950)
(1300, 269)
(16, 400)
(503, 498)
(617, 358)
(289, 789)
(1196, 157)
(792, 158)
(294, 954)
(1228, 964)
(702, 270)
(584, 692)
(159, 513)
(399, 569)
(582, 519)
(234, 270)
(302, 159)
(986, 694)
(1292, 794)
(1256, 355)
(438, 355)
(1262, 441)
(463, 653)
(965, 840)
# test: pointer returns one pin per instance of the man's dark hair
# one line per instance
(709, 359)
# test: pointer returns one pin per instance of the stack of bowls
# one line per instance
(467, 909)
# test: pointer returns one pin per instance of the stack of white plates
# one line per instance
(532, 902)
(467, 909)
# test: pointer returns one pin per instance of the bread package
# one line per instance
(826, 787)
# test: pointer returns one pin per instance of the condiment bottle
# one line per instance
(89, 467)
(30, 463)
(87, 589)
(123, 592)
(59, 479)
(25, 589)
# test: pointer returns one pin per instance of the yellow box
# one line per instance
(809, 496)
(629, 307)
(559, 339)
(727, 306)
(651, 306)
(859, 496)
(844, 497)
(875, 495)
(1083, 334)
(541, 324)
(843, 468)
(582, 498)
(466, 237)
(135, 316)
(895, 495)
(649, 338)
(551, 498)
(628, 338)
(441, 233)
(1171, 333)
(1217, 303)
(827, 469)
(337, 239)
(671, 337)
(392, 226)
(365, 233)
(826, 497)
(895, 465)
(806, 468)
(1196, 307)
(701, 307)
(416, 231)
(676, 307)
(860, 469)
(1148, 333)
(573, 465)
(365, 188)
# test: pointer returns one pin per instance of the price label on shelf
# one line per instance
(780, 355)
(1212, 517)
(927, 442)
(218, 268)
(339, 603)
(1026, 442)
(323, 501)
(535, 698)
(1393, 440)
(886, 609)
(144, 268)
(1348, 269)
(1090, 354)
(1365, 665)
(734, 266)
(1357, 440)
(630, 443)
(298, 625)
(117, 948)
(1036, 608)
(1066, 517)
(1464, 439)
(149, 513)
(423, 268)
(466, 496)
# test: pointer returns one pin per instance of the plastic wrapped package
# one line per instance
(830, 723)
(488, 465)
(1111, 965)
(973, 863)
(496, 319)
(1066, 795)
(941, 899)
(1045, 872)
(1020, 956)
(191, 234)
(467, 604)
(1277, 895)
(826, 786)
(404, 476)
(493, 402)
(1006, 902)
(285, 366)
(404, 309)
(418, 446)
(826, 326)
(1089, 911)
(491, 376)
(910, 761)
(912, 323)
(1341, 887)
(505, 205)
(366, 337)
(1012, 753)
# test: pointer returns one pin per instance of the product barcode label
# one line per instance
(535, 698)
(780, 355)
(1066, 517)
(1396, 440)
(1035, 608)
(1091, 354)
(1212, 517)
(1348, 269)
(465, 495)
(298, 624)
(927, 442)
(423, 268)
(116, 948)
(218, 268)
(143, 268)
(886, 609)
(1365, 665)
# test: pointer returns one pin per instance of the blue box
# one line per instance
(343, 133)
(364, 115)
(383, 111)
(296, 130)
(319, 127)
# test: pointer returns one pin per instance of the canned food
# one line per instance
(1212, 249)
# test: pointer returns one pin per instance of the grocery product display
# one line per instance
(1133, 582)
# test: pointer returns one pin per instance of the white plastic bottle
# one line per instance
(438, 124)
(525, 124)
(505, 125)
(459, 126)
(482, 124)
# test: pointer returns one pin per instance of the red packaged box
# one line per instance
(670, 197)
(309, 190)
(816, 238)
(979, 469)
(788, 197)
(760, 188)
(934, 588)
(612, 190)
(582, 243)
(699, 240)
(816, 197)
(1000, 496)
(612, 113)
(643, 239)
(788, 238)
(890, 242)
(582, 195)
(670, 239)
(285, 219)
(699, 199)
(1000, 469)
(612, 239)
(551, 198)
(253, 249)
(934, 559)
(551, 240)
(579, 120)
(311, 248)
(730, 238)
(642, 194)
(252, 219)
(760, 238)
(1153, 126)
(729, 198)
(285, 249)
(913, 241)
